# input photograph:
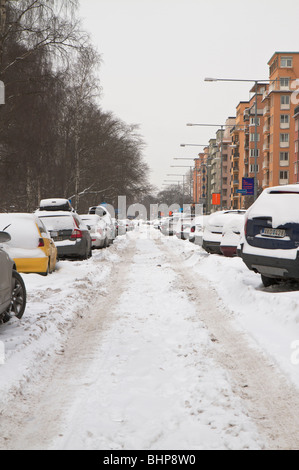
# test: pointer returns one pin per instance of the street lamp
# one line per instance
(193, 145)
(256, 82)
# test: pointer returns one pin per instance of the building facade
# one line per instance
(279, 152)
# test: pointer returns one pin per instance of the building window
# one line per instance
(252, 137)
(252, 168)
(252, 121)
(284, 140)
(284, 158)
(284, 83)
(285, 102)
(286, 62)
(284, 121)
(283, 177)
(252, 153)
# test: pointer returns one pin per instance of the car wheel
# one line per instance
(268, 281)
(18, 298)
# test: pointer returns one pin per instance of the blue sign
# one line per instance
(248, 186)
(242, 191)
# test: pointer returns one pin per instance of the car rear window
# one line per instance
(62, 222)
(281, 206)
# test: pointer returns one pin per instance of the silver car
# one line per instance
(12, 287)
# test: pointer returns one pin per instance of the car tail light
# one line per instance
(41, 242)
(76, 234)
(192, 229)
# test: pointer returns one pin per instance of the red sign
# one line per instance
(216, 199)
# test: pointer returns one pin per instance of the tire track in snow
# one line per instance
(271, 399)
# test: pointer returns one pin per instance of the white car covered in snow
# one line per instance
(213, 229)
(231, 235)
(98, 230)
(270, 245)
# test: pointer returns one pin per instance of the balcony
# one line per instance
(266, 111)
(266, 164)
(266, 146)
(266, 129)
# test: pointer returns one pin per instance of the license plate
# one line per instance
(273, 232)
(54, 234)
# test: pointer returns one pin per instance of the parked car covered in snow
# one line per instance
(31, 246)
(270, 245)
(196, 230)
(183, 227)
(213, 229)
(70, 234)
(231, 234)
(56, 204)
(97, 228)
(103, 212)
(168, 224)
(12, 286)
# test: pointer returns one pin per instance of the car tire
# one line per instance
(18, 298)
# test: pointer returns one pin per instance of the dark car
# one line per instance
(12, 287)
(70, 234)
(270, 242)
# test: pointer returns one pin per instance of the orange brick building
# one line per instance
(280, 162)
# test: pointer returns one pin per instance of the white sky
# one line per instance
(156, 54)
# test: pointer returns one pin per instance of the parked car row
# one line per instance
(266, 236)
(33, 243)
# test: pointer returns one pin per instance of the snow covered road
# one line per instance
(136, 349)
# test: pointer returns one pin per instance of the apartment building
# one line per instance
(261, 142)
(200, 178)
(238, 144)
(226, 162)
(279, 159)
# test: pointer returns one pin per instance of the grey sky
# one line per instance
(156, 54)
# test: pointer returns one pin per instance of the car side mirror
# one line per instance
(4, 237)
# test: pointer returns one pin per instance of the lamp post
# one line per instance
(256, 82)
(184, 166)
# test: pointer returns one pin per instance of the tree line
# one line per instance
(55, 138)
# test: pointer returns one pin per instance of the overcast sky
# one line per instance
(156, 54)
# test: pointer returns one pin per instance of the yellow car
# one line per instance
(31, 246)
